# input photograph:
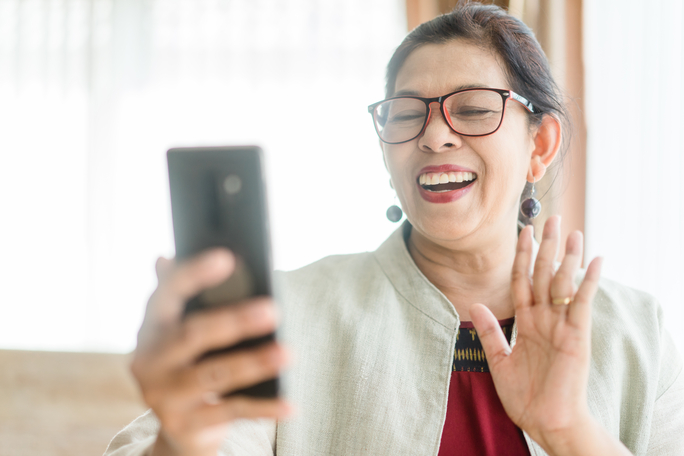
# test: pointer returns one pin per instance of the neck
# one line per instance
(469, 275)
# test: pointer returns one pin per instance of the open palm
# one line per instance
(542, 380)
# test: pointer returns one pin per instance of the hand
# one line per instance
(542, 381)
(184, 393)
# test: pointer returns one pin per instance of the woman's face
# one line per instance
(489, 205)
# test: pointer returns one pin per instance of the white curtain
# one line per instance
(634, 53)
(92, 94)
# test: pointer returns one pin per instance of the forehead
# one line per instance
(435, 69)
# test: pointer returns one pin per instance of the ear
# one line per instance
(547, 142)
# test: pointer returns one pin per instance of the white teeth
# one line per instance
(443, 178)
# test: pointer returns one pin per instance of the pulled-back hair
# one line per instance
(491, 27)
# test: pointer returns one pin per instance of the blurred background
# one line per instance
(93, 93)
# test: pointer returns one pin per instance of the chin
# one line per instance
(444, 227)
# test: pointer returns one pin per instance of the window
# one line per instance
(92, 94)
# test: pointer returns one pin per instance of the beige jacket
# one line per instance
(374, 342)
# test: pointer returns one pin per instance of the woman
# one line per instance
(471, 114)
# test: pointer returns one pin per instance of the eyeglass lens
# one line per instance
(472, 112)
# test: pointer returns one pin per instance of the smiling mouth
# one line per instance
(446, 182)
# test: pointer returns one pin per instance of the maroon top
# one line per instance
(476, 422)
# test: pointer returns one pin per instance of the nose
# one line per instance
(438, 135)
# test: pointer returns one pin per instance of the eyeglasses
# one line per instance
(469, 112)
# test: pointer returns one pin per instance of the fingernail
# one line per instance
(278, 356)
(285, 356)
(219, 258)
(287, 409)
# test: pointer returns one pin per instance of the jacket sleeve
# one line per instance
(137, 438)
(245, 437)
(667, 425)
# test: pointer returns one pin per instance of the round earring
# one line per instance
(531, 207)
(394, 212)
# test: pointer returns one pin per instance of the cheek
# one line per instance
(505, 172)
(402, 184)
(395, 162)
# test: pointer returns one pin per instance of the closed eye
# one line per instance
(407, 117)
(473, 112)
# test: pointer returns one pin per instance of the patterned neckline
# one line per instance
(468, 353)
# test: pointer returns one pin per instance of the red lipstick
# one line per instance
(448, 196)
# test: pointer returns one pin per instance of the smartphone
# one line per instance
(218, 198)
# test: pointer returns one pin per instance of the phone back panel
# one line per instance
(218, 198)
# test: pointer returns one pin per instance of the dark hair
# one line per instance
(491, 27)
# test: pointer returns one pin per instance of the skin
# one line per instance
(184, 393)
(470, 250)
(467, 248)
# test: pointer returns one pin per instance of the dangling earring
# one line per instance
(394, 212)
(531, 207)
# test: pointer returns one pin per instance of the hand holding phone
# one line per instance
(189, 396)
(206, 351)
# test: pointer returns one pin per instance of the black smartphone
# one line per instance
(218, 198)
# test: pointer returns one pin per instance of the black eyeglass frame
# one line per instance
(505, 95)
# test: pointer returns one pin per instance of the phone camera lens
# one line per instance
(232, 184)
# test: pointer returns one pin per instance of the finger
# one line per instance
(579, 313)
(544, 265)
(521, 286)
(163, 267)
(223, 374)
(205, 270)
(164, 368)
(217, 328)
(238, 407)
(493, 340)
(563, 283)
(187, 279)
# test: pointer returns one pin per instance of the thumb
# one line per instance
(493, 341)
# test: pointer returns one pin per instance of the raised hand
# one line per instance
(186, 394)
(542, 381)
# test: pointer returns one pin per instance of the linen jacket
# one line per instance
(374, 343)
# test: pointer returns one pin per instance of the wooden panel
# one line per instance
(447, 5)
(63, 404)
(419, 11)
(574, 177)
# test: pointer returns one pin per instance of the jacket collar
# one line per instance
(399, 267)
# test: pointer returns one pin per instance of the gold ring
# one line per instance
(561, 301)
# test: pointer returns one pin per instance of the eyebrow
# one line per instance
(413, 93)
